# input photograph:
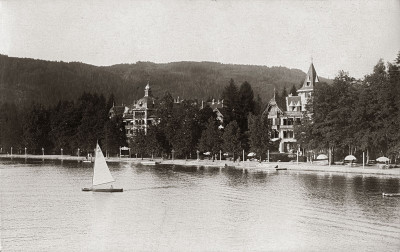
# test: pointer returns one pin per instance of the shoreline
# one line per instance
(246, 165)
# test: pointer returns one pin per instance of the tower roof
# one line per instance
(310, 80)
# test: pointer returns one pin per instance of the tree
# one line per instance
(94, 114)
(281, 99)
(36, 129)
(258, 105)
(210, 138)
(114, 135)
(247, 104)
(138, 143)
(230, 95)
(293, 90)
(167, 124)
(10, 126)
(186, 130)
(231, 139)
(203, 115)
(152, 144)
(259, 132)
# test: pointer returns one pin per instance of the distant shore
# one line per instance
(247, 165)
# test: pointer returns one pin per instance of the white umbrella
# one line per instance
(226, 154)
(207, 153)
(383, 159)
(251, 154)
(350, 158)
(322, 156)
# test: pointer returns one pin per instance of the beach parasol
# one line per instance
(251, 154)
(383, 159)
(207, 153)
(350, 158)
(322, 157)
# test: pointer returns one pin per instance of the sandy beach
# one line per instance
(246, 165)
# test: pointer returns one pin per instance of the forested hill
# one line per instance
(23, 81)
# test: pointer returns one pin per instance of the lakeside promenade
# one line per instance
(246, 165)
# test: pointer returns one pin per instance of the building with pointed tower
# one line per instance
(138, 116)
(283, 119)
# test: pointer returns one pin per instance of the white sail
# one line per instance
(101, 174)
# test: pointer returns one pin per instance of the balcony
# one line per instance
(286, 126)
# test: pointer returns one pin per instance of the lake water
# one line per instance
(167, 208)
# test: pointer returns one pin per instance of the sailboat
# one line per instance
(101, 175)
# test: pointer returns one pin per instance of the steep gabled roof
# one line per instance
(310, 80)
(273, 108)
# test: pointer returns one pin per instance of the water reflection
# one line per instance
(173, 208)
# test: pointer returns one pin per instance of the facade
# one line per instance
(282, 120)
(140, 115)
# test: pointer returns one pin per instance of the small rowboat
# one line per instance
(102, 190)
(391, 194)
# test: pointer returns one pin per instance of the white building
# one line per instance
(282, 120)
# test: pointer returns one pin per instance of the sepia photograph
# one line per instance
(199, 125)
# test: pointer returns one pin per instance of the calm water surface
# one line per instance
(167, 208)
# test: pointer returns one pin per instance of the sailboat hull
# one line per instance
(103, 190)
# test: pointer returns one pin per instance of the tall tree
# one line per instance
(36, 129)
(210, 138)
(247, 104)
(230, 95)
(152, 144)
(64, 124)
(10, 127)
(293, 90)
(114, 135)
(138, 144)
(231, 139)
(259, 132)
(187, 130)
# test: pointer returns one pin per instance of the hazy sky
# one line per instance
(348, 35)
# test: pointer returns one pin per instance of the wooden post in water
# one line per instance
(268, 156)
(220, 155)
(243, 155)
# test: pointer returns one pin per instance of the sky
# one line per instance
(336, 35)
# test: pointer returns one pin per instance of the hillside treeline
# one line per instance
(69, 125)
(183, 128)
(352, 117)
(26, 81)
